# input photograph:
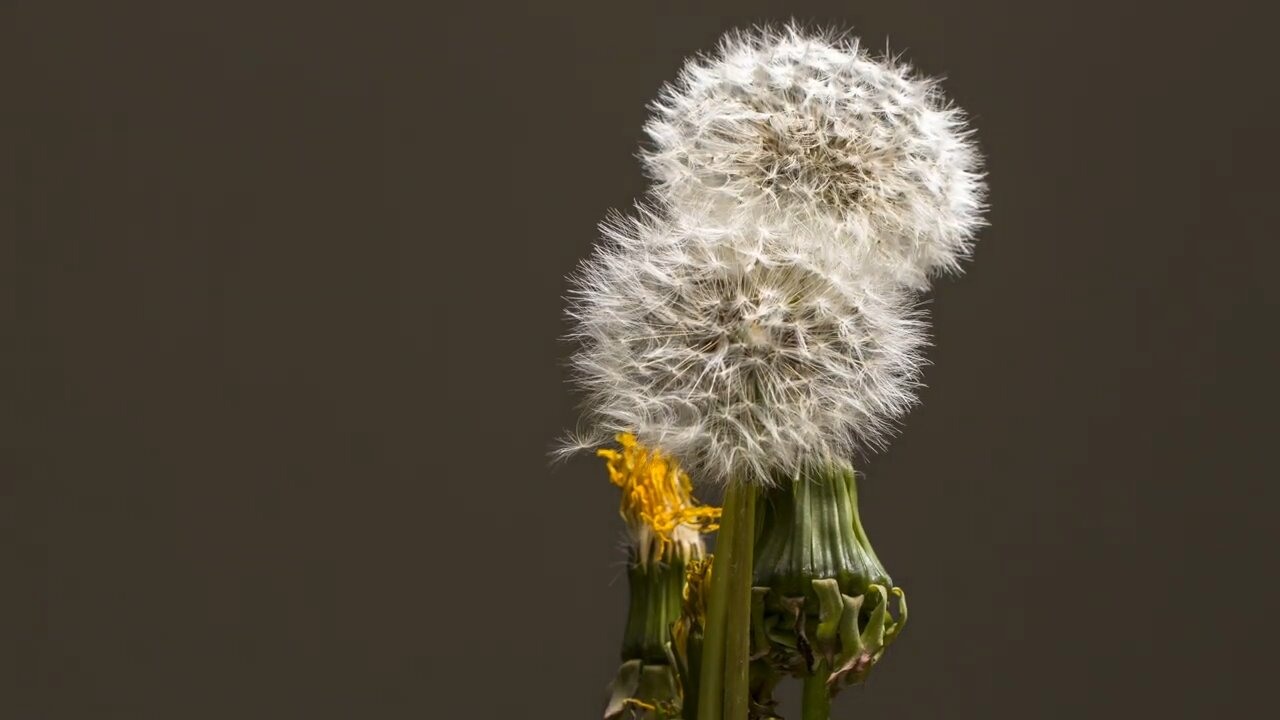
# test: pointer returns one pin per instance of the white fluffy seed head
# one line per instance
(744, 349)
(808, 125)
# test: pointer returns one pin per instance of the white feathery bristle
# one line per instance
(808, 126)
(744, 349)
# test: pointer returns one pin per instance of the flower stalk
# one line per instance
(726, 681)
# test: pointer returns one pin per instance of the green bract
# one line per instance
(821, 602)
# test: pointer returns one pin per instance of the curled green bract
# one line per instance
(824, 608)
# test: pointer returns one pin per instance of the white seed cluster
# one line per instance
(761, 312)
(808, 126)
(740, 350)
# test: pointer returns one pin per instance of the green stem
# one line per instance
(711, 678)
(725, 684)
(816, 700)
(737, 661)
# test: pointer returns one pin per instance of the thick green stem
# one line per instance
(737, 661)
(816, 700)
(724, 691)
(711, 679)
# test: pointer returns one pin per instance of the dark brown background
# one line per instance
(285, 281)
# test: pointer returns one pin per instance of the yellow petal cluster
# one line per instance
(657, 496)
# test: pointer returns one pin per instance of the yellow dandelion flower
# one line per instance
(657, 500)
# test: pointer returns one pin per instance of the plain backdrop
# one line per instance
(282, 298)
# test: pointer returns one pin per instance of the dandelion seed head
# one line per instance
(741, 349)
(808, 126)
